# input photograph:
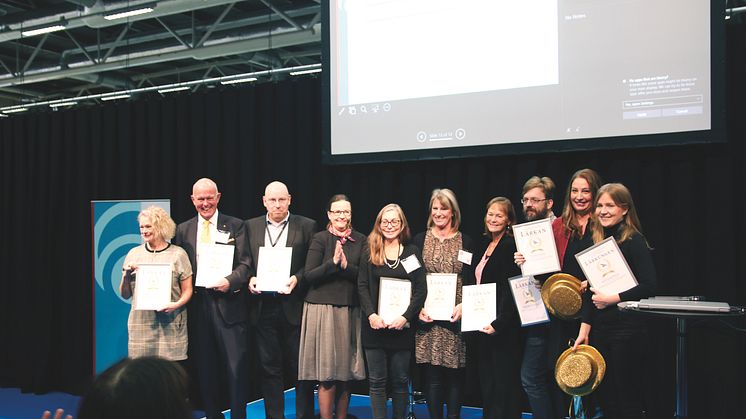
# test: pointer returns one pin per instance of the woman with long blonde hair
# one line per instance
(388, 345)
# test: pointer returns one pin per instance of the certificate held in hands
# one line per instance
(393, 298)
(535, 240)
(605, 267)
(441, 296)
(215, 261)
(478, 306)
(527, 297)
(153, 286)
(273, 268)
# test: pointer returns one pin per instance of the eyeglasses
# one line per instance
(340, 212)
(532, 201)
(275, 201)
(392, 223)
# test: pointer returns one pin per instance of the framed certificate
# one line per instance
(605, 267)
(535, 240)
(153, 286)
(441, 296)
(214, 262)
(478, 306)
(394, 296)
(528, 301)
(273, 268)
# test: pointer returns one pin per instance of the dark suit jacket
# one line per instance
(232, 305)
(300, 231)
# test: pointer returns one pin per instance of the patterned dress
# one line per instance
(153, 333)
(440, 343)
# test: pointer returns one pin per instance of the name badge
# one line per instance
(410, 263)
(464, 256)
(222, 237)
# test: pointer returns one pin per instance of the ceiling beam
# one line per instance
(218, 49)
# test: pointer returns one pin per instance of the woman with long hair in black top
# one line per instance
(388, 346)
(618, 336)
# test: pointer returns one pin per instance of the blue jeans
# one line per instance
(536, 374)
(393, 366)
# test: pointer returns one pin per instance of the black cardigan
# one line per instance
(369, 279)
(329, 283)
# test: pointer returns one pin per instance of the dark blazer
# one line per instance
(232, 305)
(300, 231)
(498, 269)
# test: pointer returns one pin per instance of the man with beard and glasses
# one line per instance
(535, 370)
(537, 198)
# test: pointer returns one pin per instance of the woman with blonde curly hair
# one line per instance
(161, 332)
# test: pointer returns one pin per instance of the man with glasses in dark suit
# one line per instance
(276, 315)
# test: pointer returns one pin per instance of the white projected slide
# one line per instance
(408, 49)
(420, 75)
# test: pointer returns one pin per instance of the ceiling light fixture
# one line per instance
(43, 29)
(123, 13)
(173, 89)
(15, 110)
(301, 72)
(115, 97)
(124, 94)
(242, 80)
(61, 104)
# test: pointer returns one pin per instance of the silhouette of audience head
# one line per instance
(144, 388)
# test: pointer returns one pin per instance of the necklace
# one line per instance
(396, 262)
(392, 265)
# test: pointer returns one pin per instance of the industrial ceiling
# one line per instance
(92, 51)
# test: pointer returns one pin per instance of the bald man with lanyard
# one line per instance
(276, 316)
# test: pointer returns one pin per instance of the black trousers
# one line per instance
(621, 341)
(499, 360)
(277, 345)
(221, 353)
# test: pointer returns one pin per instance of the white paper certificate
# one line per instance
(535, 240)
(153, 286)
(478, 306)
(605, 267)
(215, 261)
(528, 300)
(273, 268)
(393, 298)
(441, 296)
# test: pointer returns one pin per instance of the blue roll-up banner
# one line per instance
(115, 232)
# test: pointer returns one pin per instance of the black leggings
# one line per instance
(443, 385)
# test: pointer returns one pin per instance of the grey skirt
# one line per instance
(330, 347)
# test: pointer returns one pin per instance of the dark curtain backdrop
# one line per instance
(690, 199)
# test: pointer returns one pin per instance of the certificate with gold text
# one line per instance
(478, 306)
(394, 296)
(273, 268)
(441, 296)
(214, 262)
(605, 267)
(535, 240)
(153, 286)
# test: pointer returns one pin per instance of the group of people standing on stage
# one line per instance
(323, 327)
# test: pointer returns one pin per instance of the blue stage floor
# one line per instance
(17, 405)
